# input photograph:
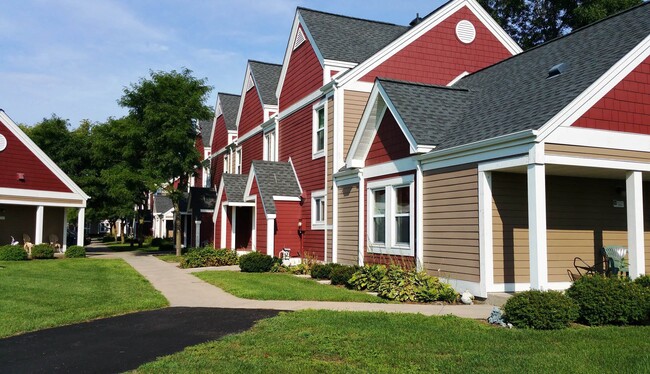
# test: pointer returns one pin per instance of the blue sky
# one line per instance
(74, 57)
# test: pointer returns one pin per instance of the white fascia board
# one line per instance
(217, 206)
(398, 166)
(243, 95)
(295, 175)
(346, 180)
(15, 130)
(214, 122)
(9, 201)
(459, 77)
(597, 163)
(206, 211)
(354, 159)
(244, 204)
(359, 86)
(270, 124)
(285, 198)
(426, 25)
(504, 163)
(587, 137)
(589, 97)
(249, 182)
(340, 64)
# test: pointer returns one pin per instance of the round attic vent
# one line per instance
(3, 143)
(465, 31)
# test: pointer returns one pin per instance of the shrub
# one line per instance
(12, 253)
(75, 251)
(410, 285)
(323, 271)
(341, 274)
(643, 281)
(368, 278)
(108, 239)
(207, 256)
(256, 262)
(166, 245)
(610, 301)
(42, 251)
(541, 310)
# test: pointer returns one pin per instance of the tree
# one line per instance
(164, 107)
(533, 22)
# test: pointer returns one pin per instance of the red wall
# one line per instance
(217, 228)
(286, 227)
(438, 57)
(311, 173)
(252, 114)
(17, 158)
(228, 232)
(252, 149)
(216, 167)
(260, 219)
(304, 75)
(626, 107)
(389, 144)
(220, 138)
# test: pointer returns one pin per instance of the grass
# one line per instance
(343, 342)
(274, 286)
(39, 294)
(170, 258)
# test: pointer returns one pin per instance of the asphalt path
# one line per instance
(117, 344)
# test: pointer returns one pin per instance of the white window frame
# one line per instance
(389, 246)
(238, 160)
(318, 153)
(226, 163)
(270, 144)
(316, 196)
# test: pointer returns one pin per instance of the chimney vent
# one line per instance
(416, 20)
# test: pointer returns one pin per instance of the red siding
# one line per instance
(220, 138)
(304, 75)
(216, 167)
(17, 158)
(438, 57)
(252, 149)
(286, 227)
(217, 228)
(228, 232)
(311, 173)
(389, 143)
(626, 107)
(252, 112)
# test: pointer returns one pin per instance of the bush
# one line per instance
(540, 310)
(256, 262)
(410, 285)
(201, 257)
(323, 271)
(12, 253)
(610, 301)
(42, 252)
(368, 278)
(341, 274)
(75, 251)
(165, 245)
(108, 239)
(643, 281)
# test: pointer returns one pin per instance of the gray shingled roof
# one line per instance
(348, 39)
(427, 110)
(266, 77)
(202, 198)
(275, 179)
(162, 204)
(235, 185)
(230, 107)
(206, 131)
(516, 95)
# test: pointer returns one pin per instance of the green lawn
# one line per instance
(274, 286)
(351, 342)
(44, 293)
(170, 258)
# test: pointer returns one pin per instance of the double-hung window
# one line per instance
(318, 141)
(390, 216)
(226, 163)
(238, 161)
(269, 146)
(318, 206)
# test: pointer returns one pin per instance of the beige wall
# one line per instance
(354, 104)
(348, 225)
(592, 152)
(451, 229)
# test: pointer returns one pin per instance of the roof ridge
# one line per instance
(573, 32)
(264, 63)
(349, 17)
(422, 84)
(228, 94)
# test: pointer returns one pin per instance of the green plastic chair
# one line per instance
(616, 263)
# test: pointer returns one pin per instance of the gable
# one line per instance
(304, 73)
(438, 56)
(626, 107)
(21, 156)
(252, 112)
(220, 132)
(389, 143)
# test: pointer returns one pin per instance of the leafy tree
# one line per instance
(533, 22)
(163, 107)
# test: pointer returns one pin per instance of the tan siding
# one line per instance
(593, 152)
(450, 232)
(348, 225)
(328, 176)
(354, 104)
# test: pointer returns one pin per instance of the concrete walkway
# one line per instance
(182, 289)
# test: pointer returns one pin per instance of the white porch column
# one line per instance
(233, 228)
(38, 235)
(197, 233)
(635, 240)
(81, 225)
(184, 230)
(64, 238)
(270, 236)
(419, 219)
(224, 217)
(362, 224)
(537, 226)
(486, 244)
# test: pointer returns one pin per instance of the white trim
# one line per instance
(254, 224)
(81, 226)
(285, 198)
(362, 223)
(64, 238)
(461, 286)
(224, 218)
(233, 226)
(503, 163)
(597, 90)
(459, 77)
(237, 204)
(599, 138)
(597, 163)
(537, 226)
(397, 166)
(338, 124)
(518, 287)
(425, 26)
(63, 177)
(206, 211)
(319, 194)
(197, 233)
(220, 190)
(256, 130)
(316, 109)
(36, 203)
(38, 230)
(359, 86)
(419, 218)
(270, 236)
(486, 243)
(305, 101)
(239, 160)
(346, 180)
(270, 136)
(295, 175)
(400, 121)
(635, 232)
(476, 156)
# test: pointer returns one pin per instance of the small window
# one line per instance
(379, 216)
(319, 132)
(269, 146)
(318, 207)
(238, 161)
(402, 215)
(390, 216)
(226, 164)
